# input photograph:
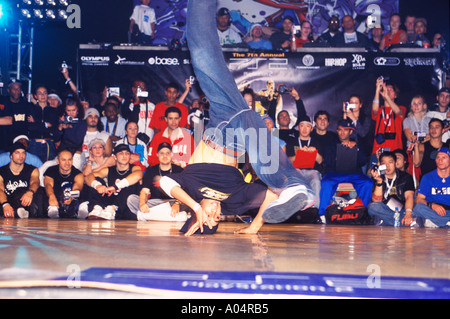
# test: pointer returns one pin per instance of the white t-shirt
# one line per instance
(350, 37)
(144, 16)
(229, 36)
(442, 116)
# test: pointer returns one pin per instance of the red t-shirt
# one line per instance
(386, 121)
(158, 121)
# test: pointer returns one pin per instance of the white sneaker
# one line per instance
(83, 211)
(96, 212)
(429, 224)
(53, 212)
(22, 213)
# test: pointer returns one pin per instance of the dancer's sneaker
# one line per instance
(290, 201)
(99, 213)
(22, 213)
(53, 212)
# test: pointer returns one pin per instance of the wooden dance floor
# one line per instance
(45, 258)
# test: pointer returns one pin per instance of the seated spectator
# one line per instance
(344, 167)
(151, 194)
(43, 126)
(122, 181)
(61, 182)
(282, 40)
(425, 152)
(73, 129)
(94, 131)
(140, 110)
(401, 163)
(256, 40)
(438, 41)
(388, 118)
(30, 159)
(420, 28)
(158, 122)
(350, 36)
(409, 26)
(113, 123)
(20, 109)
(303, 37)
(393, 189)
(376, 35)
(306, 154)
(97, 159)
(138, 148)
(179, 138)
(326, 139)
(144, 18)
(433, 196)
(227, 36)
(442, 110)
(415, 128)
(396, 35)
(19, 186)
(333, 29)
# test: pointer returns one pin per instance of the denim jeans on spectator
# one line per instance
(383, 212)
(44, 149)
(232, 124)
(425, 212)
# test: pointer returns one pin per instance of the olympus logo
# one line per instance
(95, 59)
(163, 61)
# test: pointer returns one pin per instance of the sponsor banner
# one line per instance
(324, 79)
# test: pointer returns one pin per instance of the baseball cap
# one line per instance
(445, 150)
(90, 111)
(444, 89)
(164, 145)
(223, 12)
(206, 229)
(346, 124)
(96, 141)
(121, 147)
(305, 118)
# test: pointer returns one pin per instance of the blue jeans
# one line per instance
(44, 149)
(425, 212)
(232, 124)
(383, 212)
(361, 183)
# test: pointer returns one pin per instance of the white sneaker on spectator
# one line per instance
(429, 224)
(53, 212)
(96, 212)
(83, 211)
(22, 213)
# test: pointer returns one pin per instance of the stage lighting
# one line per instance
(38, 13)
(51, 2)
(62, 14)
(64, 2)
(39, 2)
(50, 14)
(1, 11)
(26, 13)
(27, 2)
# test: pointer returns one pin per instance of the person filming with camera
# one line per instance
(393, 189)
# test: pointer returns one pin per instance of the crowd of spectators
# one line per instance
(65, 158)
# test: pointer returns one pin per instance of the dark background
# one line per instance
(106, 21)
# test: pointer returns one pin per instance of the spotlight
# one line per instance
(38, 13)
(50, 14)
(27, 2)
(64, 2)
(26, 13)
(62, 14)
(39, 2)
(51, 2)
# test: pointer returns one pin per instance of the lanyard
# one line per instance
(419, 128)
(389, 117)
(301, 144)
(389, 186)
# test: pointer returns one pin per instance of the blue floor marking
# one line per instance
(271, 283)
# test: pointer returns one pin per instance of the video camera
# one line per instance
(71, 194)
(68, 120)
(381, 169)
(284, 90)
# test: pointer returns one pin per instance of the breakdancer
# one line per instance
(211, 184)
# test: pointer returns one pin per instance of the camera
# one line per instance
(191, 80)
(420, 136)
(381, 169)
(112, 91)
(349, 106)
(283, 89)
(141, 93)
(71, 194)
(446, 123)
(372, 22)
(68, 120)
(64, 65)
(384, 78)
(296, 29)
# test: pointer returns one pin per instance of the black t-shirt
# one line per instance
(222, 183)
(5, 110)
(429, 157)
(403, 183)
(19, 113)
(151, 180)
(61, 183)
(14, 182)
